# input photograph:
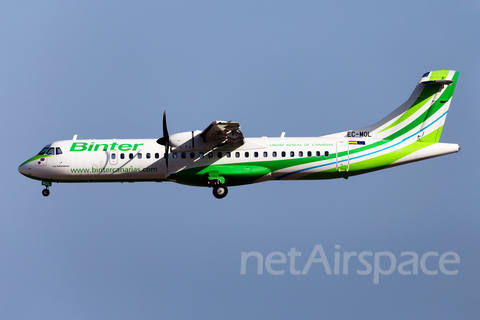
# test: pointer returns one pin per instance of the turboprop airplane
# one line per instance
(220, 156)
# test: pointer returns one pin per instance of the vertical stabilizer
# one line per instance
(422, 116)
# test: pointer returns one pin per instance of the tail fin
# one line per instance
(422, 116)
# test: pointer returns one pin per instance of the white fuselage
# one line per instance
(143, 159)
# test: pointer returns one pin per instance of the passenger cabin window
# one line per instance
(130, 156)
(210, 155)
(157, 155)
(247, 154)
(237, 154)
(200, 155)
(284, 154)
(228, 154)
(265, 154)
(318, 154)
(148, 155)
(327, 154)
(122, 156)
(300, 153)
(309, 153)
(219, 155)
(174, 155)
(184, 155)
(292, 154)
(51, 151)
(274, 154)
(59, 151)
(139, 156)
(192, 155)
(255, 154)
(113, 156)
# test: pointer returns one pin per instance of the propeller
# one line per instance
(165, 140)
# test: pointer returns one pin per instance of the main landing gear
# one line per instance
(46, 192)
(219, 190)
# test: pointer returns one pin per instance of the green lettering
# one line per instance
(105, 147)
(113, 145)
(79, 146)
(125, 147)
(136, 145)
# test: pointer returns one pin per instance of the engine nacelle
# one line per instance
(190, 141)
(216, 134)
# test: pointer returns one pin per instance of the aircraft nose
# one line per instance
(24, 169)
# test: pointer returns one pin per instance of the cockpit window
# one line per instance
(59, 151)
(44, 150)
(51, 151)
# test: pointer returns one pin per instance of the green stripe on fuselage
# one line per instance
(35, 158)
(245, 173)
(373, 164)
(238, 174)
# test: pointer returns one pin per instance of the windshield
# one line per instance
(44, 150)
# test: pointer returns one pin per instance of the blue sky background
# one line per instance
(165, 251)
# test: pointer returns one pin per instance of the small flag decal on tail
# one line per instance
(357, 142)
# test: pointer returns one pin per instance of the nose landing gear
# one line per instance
(46, 192)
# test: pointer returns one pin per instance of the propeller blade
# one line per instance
(165, 130)
(166, 156)
(165, 140)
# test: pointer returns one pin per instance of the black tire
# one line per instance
(45, 192)
(220, 192)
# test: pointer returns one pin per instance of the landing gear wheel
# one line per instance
(45, 192)
(220, 191)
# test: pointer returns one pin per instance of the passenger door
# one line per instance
(113, 157)
(343, 156)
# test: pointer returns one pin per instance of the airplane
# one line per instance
(220, 156)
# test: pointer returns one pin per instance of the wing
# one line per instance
(223, 132)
